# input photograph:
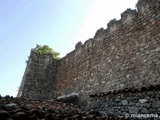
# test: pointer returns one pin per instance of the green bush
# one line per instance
(42, 50)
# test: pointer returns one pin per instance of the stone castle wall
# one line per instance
(40, 77)
(128, 101)
(126, 54)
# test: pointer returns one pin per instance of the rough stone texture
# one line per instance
(133, 110)
(40, 77)
(143, 100)
(144, 110)
(72, 98)
(46, 110)
(94, 104)
(126, 54)
(129, 102)
(124, 102)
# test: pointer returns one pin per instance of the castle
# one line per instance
(125, 55)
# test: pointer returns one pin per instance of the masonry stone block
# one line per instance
(124, 55)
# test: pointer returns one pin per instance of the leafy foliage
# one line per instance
(42, 50)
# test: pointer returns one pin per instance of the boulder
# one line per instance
(71, 98)
(124, 102)
(143, 100)
(133, 110)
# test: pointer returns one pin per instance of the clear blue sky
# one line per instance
(59, 24)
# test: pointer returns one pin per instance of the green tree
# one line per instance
(42, 50)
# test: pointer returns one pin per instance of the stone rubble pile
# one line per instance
(30, 109)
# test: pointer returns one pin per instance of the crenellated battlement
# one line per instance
(124, 55)
(128, 17)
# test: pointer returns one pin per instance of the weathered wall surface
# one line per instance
(126, 54)
(40, 77)
(127, 102)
